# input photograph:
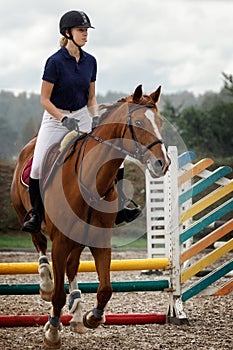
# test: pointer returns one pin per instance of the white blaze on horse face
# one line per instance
(151, 117)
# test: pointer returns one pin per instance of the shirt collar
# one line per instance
(67, 55)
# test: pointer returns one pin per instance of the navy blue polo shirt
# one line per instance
(71, 79)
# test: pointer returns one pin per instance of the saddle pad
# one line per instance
(48, 165)
(26, 172)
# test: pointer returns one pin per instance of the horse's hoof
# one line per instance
(48, 344)
(52, 339)
(77, 327)
(90, 321)
(46, 296)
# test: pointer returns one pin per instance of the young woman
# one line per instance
(68, 88)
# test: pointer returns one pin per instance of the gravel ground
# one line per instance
(211, 318)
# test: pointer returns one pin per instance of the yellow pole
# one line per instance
(89, 266)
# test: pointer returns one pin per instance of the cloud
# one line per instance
(178, 44)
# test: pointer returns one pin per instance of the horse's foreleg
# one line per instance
(75, 308)
(45, 271)
(40, 242)
(75, 302)
(60, 251)
(96, 317)
(46, 278)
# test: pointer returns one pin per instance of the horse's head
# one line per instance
(143, 127)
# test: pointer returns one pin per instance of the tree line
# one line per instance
(207, 125)
(204, 122)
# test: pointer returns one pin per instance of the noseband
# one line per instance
(140, 151)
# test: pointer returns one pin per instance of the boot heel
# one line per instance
(33, 225)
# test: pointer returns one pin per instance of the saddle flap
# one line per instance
(53, 158)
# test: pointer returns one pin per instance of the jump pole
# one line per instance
(89, 266)
(88, 287)
(111, 319)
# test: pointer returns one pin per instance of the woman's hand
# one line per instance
(70, 123)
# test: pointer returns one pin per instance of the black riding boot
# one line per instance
(124, 213)
(33, 225)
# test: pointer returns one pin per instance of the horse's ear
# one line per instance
(155, 95)
(137, 93)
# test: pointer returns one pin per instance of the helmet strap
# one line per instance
(70, 37)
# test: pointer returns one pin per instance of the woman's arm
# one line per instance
(92, 102)
(46, 91)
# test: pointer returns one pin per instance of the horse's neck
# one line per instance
(105, 171)
(98, 162)
(107, 174)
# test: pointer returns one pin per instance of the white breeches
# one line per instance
(52, 131)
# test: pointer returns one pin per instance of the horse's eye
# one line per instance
(139, 123)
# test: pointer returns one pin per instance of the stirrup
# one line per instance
(28, 215)
(128, 214)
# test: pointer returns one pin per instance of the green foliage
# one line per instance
(205, 128)
(7, 134)
(8, 218)
(20, 117)
(209, 131)
(228, 82)
(17, 240)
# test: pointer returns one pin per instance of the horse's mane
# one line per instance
(72, 139)
(105, 109)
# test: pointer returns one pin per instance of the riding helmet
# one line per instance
(73, 19)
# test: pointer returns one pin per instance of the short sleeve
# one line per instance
(94, 71)
(50, 71)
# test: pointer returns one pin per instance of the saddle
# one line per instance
(54, 158)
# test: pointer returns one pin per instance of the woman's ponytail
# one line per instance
(63, 41)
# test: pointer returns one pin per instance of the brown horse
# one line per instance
(80, 202)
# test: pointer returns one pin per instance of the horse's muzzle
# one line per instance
(158, 167)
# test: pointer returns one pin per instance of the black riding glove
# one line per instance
(70, 123)
(95, 122)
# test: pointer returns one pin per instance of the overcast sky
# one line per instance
(179, 44)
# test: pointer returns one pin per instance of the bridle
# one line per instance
(139, 149)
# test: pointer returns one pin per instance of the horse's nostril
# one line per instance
(159, 163)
